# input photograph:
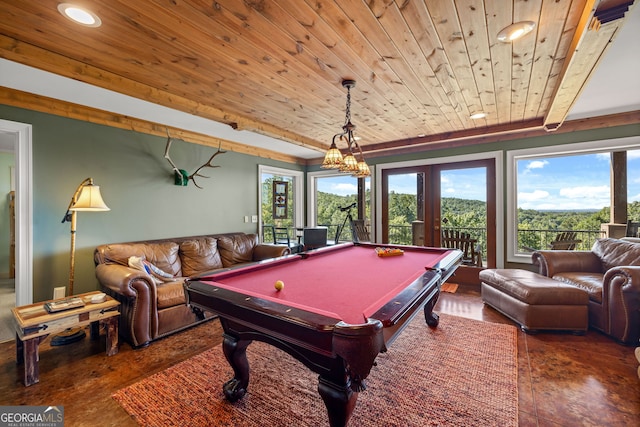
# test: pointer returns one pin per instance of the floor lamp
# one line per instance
(86, 198)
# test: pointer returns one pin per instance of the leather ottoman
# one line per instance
(535, 302)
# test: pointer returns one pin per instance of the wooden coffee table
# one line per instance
(33, 324)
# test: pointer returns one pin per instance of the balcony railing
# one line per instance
(528, 240)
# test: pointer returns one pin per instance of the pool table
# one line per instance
(340, 307)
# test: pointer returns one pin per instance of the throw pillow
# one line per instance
(158, 275)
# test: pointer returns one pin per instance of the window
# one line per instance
(564, 189)
(330, 191)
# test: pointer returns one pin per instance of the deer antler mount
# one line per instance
(181, 177)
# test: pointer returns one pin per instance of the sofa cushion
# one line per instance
(162, 255)
(237, 248)
(199, 255)
(614, 252)
(171, 294)
(589, 282)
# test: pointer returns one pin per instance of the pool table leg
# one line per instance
(236, 353)
(339, 400)
(432, 318)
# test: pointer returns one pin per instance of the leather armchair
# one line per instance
(610, 274)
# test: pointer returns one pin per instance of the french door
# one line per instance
(419, 201)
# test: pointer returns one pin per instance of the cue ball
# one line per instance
(279, 285)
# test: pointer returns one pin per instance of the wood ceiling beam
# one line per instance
(590, 42)
(29, 101)
(494, 134)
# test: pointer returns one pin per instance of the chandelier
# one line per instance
(334, 159)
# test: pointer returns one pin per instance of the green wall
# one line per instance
(136, 182)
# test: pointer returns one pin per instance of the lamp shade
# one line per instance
(349, 164)
(89, 199)
(333, 158)
(363, 170)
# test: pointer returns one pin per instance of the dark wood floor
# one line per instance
(564, 380)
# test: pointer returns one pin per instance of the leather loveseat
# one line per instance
(147, 278)
(610, 274)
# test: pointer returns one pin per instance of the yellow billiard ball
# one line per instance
(279, 285)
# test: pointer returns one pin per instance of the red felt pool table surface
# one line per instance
(349, 283)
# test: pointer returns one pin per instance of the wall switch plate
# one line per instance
(246, 218)
(254, 218)
(59, 292)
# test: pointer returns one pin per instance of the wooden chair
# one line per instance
(359, 231)
(567, 241)
(632, 229)
(471, 250)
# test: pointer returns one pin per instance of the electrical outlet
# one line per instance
(254, 218)
(246, 218)
(59, 292)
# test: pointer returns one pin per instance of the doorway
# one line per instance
(280, 202)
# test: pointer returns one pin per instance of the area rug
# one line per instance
(463, 373)
(449, 287)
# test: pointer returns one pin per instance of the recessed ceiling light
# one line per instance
(477, 116)
(515, 31)
(79, 15)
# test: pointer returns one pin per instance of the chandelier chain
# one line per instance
(348, 109)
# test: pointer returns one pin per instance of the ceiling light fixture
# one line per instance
(515, 31)
(334, 159)
(79, 15)
(477, 116)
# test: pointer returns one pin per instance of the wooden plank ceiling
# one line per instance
(275, 67)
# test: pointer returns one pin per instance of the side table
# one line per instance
(34, 323)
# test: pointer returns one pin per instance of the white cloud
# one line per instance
(537, 164)
(586, 192)
(634, 198)
(533, 196)
(343, 189)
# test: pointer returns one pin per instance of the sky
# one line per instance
(560, 183)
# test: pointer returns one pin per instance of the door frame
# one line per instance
(22, 136)
(298, 194)
(496, 156)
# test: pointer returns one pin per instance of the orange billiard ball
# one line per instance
(279, 285)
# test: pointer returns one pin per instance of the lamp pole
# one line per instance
(86, 198)
(72, 263)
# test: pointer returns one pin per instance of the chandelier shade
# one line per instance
(333, 158)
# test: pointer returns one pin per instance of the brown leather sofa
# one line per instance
(610, 274)
(152, 305)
